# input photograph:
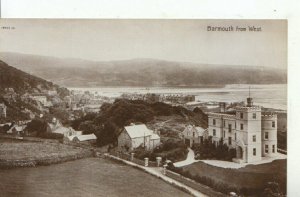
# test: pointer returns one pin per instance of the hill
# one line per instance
(20, 83)
(140, 72)
(108, 123)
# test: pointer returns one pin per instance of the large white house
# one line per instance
(251, 133)
(134, 136)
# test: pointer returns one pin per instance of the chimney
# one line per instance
(222, 106)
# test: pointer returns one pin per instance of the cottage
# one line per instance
(192, 135)
(138, 135)
(90, 138)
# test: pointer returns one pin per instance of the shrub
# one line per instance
(208, 150)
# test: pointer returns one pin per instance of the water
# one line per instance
(270, 96)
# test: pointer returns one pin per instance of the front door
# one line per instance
(239, 152)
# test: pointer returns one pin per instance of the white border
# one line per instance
(189, 9)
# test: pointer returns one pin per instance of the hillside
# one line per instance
(108, 123)
(140, 72)
(22, 82)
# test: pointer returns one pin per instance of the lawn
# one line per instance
(251, 176)
(84, 177)
(11, 149)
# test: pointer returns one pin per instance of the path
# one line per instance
(189, 159)
(157, 171)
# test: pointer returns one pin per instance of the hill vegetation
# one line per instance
(141, 72)
(22, 83)
(109, 122)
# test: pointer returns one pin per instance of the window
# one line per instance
(235, 136)
(235, 125)
(254, 115)
(214, 132)
(254, 151)
(224, 123)
(229, 127)
(254, 138)
(214, 121)
(266, 148)
(266, 135)
(229, 140)
(273, 148)
(224, 134)
(242, 127)
(273, 124)
(242, 115)
(193, 134)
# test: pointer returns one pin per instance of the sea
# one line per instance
(268, 96)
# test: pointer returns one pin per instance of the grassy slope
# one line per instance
(252, 176)
(14, 149)
(85, 177)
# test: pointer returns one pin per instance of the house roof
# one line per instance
(200, 130)
(136, 131)
(85, 137)
(192, 128)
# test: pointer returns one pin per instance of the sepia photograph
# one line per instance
(143, 107)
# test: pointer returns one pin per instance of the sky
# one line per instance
(174, 40)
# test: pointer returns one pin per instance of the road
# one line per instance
(189, 159)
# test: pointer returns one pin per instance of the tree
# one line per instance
(37, 125)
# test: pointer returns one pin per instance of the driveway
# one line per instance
(189, 159)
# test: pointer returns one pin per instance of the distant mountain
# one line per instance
(140, 72)
(22, 82)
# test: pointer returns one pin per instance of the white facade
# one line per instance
(252, 134)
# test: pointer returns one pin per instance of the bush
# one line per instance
(208, 150)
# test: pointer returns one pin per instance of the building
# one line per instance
(41, 99)
(2, 110)
(193, 135)
(134, 136)
(90, 138)
(252, 133)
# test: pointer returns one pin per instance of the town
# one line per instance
(228, 135)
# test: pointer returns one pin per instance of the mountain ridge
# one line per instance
(72, 72)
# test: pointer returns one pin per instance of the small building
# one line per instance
(40, 98)
(90, 138)
(2, 110)
(138, 135)
(194, 135)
